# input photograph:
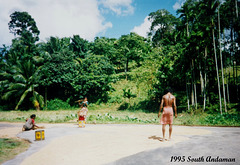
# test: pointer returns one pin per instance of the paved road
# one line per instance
(52, 133)
(223, 142)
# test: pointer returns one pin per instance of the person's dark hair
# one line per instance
(32, 116)
(168, 90)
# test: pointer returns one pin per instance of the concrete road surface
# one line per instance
(129, 145)
(222, 146)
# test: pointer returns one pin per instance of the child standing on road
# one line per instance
(82, 114)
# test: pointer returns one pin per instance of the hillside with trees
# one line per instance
(197, 54)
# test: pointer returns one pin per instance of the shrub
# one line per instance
(224, 120)
(124, 106)
(57, 104)
(115, 99)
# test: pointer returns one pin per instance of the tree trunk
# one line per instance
(187, 84)
(227, 78)
(236, 8)
(220, 50)
(187, 29)
(231, 56)
(229, 101)
(187, 95)
(236, 68)
(237, 80)
(45, 97)
(126, 69)
(205, 80)
(201, 78)
(195, 95)
(194, 85)
(192, 88)
(215, 54)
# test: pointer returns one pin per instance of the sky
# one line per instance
(87, 18)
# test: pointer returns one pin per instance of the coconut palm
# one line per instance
(20, 80)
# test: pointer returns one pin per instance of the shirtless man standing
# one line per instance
(168, 103)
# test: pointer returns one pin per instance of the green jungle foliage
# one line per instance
(132, 71)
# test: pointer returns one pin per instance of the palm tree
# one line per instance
(220, 51)
(53, 46)
(184, 15)
(209, 7)
(187, 15)
(22, 78)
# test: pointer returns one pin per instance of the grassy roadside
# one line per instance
(103, 114)
(9, 148)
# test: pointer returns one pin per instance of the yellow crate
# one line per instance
(39, 135)
(81, 123)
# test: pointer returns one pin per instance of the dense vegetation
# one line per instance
(196, 54)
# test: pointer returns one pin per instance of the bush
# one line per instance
(115, 99)
(57, 104)
(224, 119)
(213, 109)
(124, 106)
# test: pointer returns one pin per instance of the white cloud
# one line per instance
(178, 4)
(142, 29)
(61, 18)
(119, 7)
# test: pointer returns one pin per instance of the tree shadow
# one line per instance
(124, 106)
(154, 137)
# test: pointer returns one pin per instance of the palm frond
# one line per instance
(39, 98)
(4, 74)
(4, 84)
(38, 59)
(23, 97)
(8, 94)
(78, 61)
(16, 86)
(19, 78)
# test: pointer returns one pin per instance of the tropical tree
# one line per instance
(187, 17)
(71, 71)
(199, 17)
(94, 78)
(21, 80)
(19, 74)
(107, 47)
(131, 47)
(162, 27)
(24, 28)
(208, 14)
(60, 67)
(79, 46)
(230, 23)
(21, 23)
(221, 60)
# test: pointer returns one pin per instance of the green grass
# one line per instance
(109, 114)
(106, 114)
(9, 148)
(100, 116)
(204, 119)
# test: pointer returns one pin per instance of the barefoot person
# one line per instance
(30, 123)
(82, 114)
(168, 103)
